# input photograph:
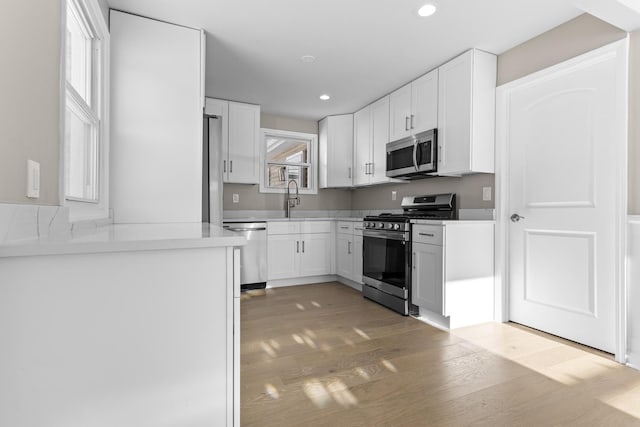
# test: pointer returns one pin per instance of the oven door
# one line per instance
(386, 261)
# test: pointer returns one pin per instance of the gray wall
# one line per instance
(104, 7)
(252, 199)
(30, 35)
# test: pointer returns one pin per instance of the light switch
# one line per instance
(394, 195)
(236, 198)
(486, 193)
(33, 179)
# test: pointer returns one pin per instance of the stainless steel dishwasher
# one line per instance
(253, 256)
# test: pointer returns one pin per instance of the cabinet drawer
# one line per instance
(431, 234)
(345, 227)
(316, 227)
(357, 228)
(283, 227)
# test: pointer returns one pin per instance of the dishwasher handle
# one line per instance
(226, 227)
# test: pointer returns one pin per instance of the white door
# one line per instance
(361, 146)
(400, 113)
(344, 257)
(244, 124)
(283, 257)
(316, 254)
(564, 132)
(379, 140)
(424, 102)
(427, 280)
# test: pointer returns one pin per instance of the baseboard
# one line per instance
(296, 281)
(350, 283)
(434, 319)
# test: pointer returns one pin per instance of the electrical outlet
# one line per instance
(394, 195)
(236, 198)
(486, 193)
(33, 179)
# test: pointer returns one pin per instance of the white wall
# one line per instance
(633, 295)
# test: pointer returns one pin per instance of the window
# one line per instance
(288, 156)
(85, 162)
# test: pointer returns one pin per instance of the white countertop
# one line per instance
(449, 221)
(126, 237)
(255, 219)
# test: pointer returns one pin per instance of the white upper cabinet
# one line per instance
(466, 114)
(336, 151)
(361, 145)
(414, 107)
(371, 135)
(240, 139)
(244, 144)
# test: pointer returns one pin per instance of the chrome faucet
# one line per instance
(292, 201)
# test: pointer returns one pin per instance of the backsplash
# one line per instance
(26, 222)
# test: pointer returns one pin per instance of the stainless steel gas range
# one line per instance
(387, 261)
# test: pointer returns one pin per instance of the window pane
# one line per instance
(279, 176)
(82, 158)
(78, 45)
(287, 150)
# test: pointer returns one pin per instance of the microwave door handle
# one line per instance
(415, 155)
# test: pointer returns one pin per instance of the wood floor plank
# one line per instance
(320, 355)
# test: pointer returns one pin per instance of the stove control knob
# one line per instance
(390, 226)
(380, 225)
(396, 226)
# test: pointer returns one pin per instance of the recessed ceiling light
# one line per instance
(307, 59)
(427, 10)
(325, 97)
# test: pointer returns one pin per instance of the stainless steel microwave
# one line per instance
(413, 157)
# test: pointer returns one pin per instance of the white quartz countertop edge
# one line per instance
(445, 222)
(126, 237)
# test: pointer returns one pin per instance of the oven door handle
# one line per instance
(391, 235)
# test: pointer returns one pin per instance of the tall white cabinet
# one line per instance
(157, 96)
(466, 114)
(335, 146)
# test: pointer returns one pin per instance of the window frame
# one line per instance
(97, 113)
(313, 159)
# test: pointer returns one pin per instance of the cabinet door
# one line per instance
(344, 255)
(336, 151)
(362, 146)
(427, 279)
(379, 140)
(283, 259)
(315, 257)
(454, 114)
(356, 250)
(400, 113)
(424, 102)
(244, 153)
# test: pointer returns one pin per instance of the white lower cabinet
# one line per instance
(453, 272)
(349, 250)
(298, 249)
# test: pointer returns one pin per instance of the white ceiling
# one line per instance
(364, 48)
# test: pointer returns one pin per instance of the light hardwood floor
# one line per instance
(321, 355)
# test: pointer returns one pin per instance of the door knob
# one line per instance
(515, 217)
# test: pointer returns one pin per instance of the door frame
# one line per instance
(619, 50)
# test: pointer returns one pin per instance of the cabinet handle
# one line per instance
(230, 166)
(349, 248)
(297, 246)
(224, 166)
(406, 123)
(413, 260)
(344, 228)
(427, 234)
(303, 246)
(412, 116)
(349, 172)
